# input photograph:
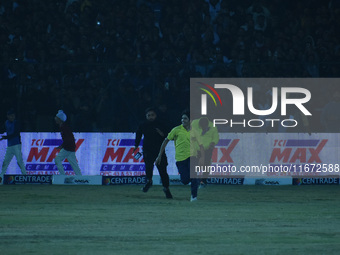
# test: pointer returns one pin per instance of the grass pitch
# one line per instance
(38, 219)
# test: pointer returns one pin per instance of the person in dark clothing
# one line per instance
(154, 133)
(12, 127)
(68, 147)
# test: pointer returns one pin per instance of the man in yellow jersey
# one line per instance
(183, 151)
(207, 137)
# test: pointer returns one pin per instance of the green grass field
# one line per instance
(123, 220)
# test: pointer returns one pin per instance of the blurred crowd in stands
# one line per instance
(104, 62)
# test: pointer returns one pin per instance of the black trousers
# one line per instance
(184, 171)
(149, 159)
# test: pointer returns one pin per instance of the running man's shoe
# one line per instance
(193, 199)
(147, 186)
(167, 193)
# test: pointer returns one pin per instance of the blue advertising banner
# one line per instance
(257, 155)
(27, 179)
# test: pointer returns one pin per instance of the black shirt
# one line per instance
(68, 138)
(152, 139)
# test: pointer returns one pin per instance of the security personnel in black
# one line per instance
(154, 134)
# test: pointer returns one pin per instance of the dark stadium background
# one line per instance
(104, 62)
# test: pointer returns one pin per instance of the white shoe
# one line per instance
(193, 199)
